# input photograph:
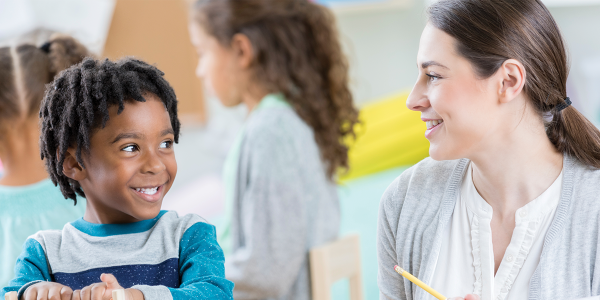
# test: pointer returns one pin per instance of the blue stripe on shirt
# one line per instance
(103, 230)
(165, 273)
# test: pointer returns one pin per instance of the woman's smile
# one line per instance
(432, 126)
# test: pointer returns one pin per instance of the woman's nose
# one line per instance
(417, 100)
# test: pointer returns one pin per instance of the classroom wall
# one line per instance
(383, 44)
(382, 48)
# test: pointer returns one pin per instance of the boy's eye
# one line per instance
(129, 148)
(166, 144)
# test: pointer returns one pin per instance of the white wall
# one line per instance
(382, 46)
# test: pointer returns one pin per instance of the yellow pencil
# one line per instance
(418, 282)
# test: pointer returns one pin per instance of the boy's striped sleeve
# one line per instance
(31, 268)
(202, 266)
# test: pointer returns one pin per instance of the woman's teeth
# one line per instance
(433, 123)
(150, 191)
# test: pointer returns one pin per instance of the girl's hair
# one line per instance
(296, 53)
(26, 69)
(77, 103)
(488, 32)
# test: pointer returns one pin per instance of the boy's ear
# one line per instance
(72, 168)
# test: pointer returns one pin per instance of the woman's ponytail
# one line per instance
(575, 135)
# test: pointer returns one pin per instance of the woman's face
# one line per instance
(462, 112)
(217, 66)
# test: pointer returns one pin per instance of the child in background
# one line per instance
(108, 131)
(29, 202)
(282, 59)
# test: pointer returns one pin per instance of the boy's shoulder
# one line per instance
(171, 221)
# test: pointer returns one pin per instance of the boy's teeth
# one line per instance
(150, 191)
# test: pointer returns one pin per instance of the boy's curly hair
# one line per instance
(77, 103)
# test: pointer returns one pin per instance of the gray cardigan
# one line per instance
(284, 204)
(418, 205)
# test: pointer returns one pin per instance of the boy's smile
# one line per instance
(131, 163)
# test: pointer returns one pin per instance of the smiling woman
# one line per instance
(496, 211)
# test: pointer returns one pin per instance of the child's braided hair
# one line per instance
(77, 103)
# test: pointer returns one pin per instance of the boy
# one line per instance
(107, 135)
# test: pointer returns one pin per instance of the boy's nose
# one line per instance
(153, 165)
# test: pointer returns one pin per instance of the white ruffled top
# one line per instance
(466, 260)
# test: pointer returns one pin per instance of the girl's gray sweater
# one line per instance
(418, 205)
(284, 205)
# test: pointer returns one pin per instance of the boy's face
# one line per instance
(131, 164)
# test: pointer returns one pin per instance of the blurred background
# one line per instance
(380, 38)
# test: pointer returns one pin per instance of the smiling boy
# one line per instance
(108, 131)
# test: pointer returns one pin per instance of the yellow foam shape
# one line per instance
(390, 135)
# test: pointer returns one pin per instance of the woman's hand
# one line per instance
(103, 290)
(467, 297)
(47, 291)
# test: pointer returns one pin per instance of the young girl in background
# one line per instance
(282, 59)
(29, 201)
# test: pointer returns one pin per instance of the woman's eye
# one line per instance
(129, 148)
(432, 77)
(166, 144)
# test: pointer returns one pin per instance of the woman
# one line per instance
(507, 207)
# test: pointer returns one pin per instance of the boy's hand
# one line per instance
(103, 290)
(47, 291)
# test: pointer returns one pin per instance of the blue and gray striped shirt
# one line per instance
(167, 257)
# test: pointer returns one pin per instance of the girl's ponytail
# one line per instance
(26, 69)
(63, 51)
(575, 135)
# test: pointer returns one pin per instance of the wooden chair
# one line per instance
(334, 261)
(11, 296)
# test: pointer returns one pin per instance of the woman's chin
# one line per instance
(439, 153)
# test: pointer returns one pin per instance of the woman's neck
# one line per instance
(20, 154)
(517, 168)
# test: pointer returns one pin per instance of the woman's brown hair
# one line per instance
(488, 32)
(26, 69)
(297, 53)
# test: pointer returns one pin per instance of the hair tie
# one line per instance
(564, 105)
(46, 47)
